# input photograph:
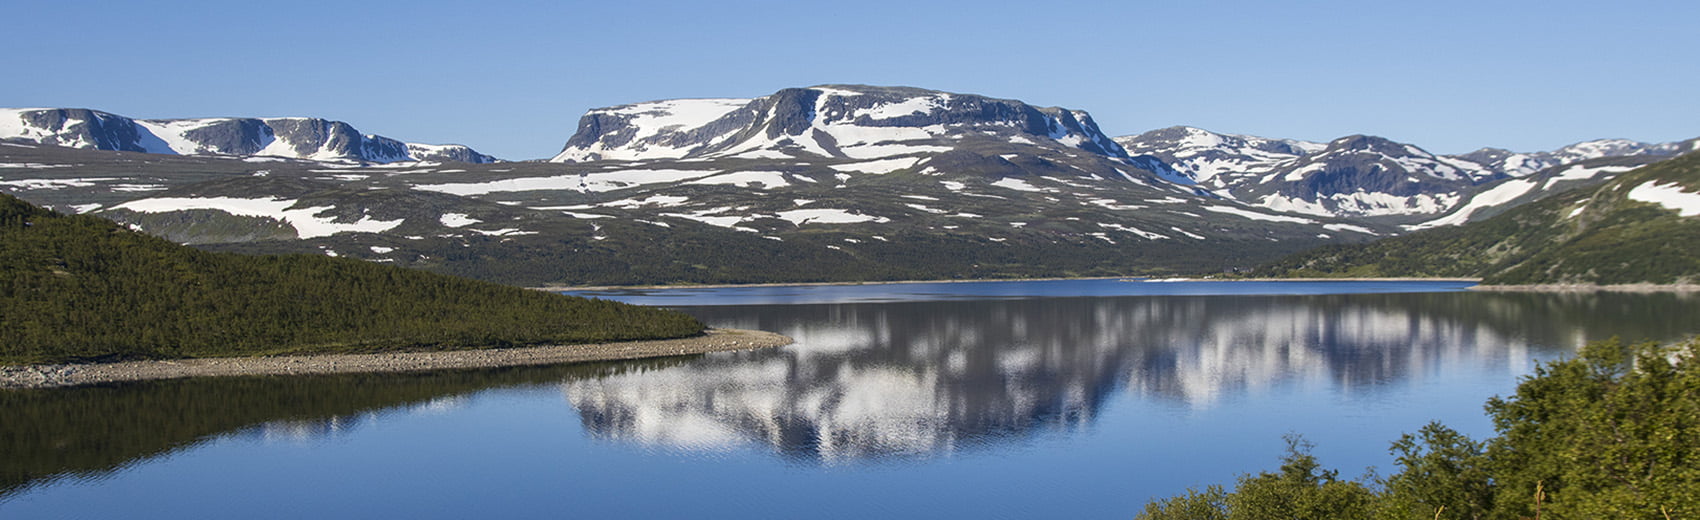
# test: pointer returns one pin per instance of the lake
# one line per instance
(1067, 399)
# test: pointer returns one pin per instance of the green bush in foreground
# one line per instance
(76, 288)
(1611, 433)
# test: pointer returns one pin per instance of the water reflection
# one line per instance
(918, 379)
(88, 432)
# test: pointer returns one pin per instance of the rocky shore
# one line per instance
(51, 376)
(1632, 288)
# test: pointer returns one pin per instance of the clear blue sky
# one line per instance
(512, 78)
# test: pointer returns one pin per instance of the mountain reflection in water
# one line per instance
(917, 379)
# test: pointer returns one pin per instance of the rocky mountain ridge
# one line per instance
(294, 138)
(1374, 178)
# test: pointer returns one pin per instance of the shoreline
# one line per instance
(561, 288)
(66, 375)
(1564, 288)
(1553, 288)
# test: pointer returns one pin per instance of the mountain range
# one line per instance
(1377, 179)
(826, 183)
(289, 137)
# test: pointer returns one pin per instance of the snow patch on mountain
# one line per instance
(1494, 197)
(591, 182)
(1016, 184)
(907, 107)
(12, 122)
(455, 220)
(880, 166)
(750, 179)
(1379, 204)
(1130, 229)
(1671, 196)
(713, 217)
(827, 216)
(653, 200)
(306, 221)
(1257, 216)
(1285, 204)
(1350, 227)
(167, 137)
(55, 184)
(1577, 173)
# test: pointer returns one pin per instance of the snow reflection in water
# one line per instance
(920, 379)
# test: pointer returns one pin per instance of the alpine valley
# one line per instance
(827, 183)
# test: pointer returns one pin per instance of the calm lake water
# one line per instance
(1069, 399)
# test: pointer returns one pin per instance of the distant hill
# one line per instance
(77, 288)
(1641, 227)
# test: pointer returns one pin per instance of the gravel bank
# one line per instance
(50, 376)
(1634, 288)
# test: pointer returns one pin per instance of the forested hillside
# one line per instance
(76, 288)
(1639, 228)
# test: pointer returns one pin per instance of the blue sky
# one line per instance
(512, 78)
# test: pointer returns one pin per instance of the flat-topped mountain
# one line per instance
(831, 121)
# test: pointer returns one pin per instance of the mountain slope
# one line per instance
(296, 138)
(80, 288)
(1640, 227)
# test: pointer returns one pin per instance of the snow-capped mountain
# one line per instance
(1366, 176)
(1376, 178)
(295, 138)
(1515, 164)
(1217, 161)
(832, 121)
